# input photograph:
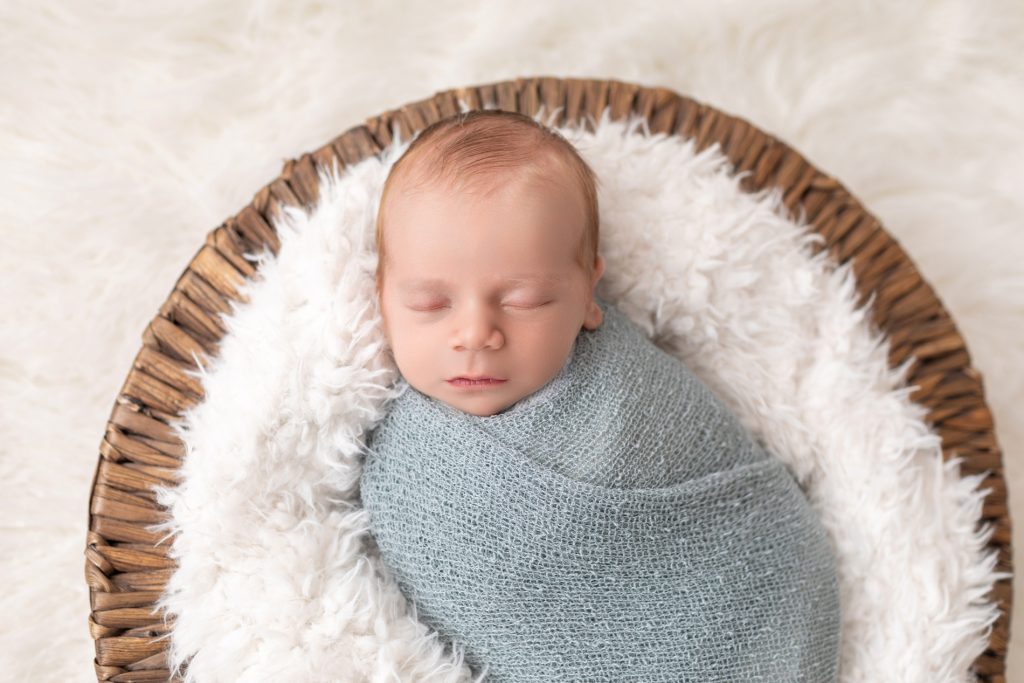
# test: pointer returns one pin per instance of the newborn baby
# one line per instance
(559, 498)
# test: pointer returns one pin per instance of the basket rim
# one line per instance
(126, 565)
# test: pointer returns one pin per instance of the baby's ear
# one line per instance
(594, 317)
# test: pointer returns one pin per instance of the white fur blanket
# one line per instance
(276, 579)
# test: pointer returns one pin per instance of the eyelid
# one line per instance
(537, 294)
(428, 309)
(543, 303)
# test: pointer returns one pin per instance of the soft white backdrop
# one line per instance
(128, 130)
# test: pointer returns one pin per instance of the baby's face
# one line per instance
(485, 286)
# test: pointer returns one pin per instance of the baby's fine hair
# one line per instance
(466, 149)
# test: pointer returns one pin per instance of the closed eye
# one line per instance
(528, 306)
(515, 306)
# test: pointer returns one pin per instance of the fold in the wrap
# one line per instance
(619, 524)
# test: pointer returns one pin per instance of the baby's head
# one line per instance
(487, 236)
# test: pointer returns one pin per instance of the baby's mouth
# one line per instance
(469, 382)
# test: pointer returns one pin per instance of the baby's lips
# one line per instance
(476, 378)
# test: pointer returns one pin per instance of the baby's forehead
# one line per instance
(532, 164)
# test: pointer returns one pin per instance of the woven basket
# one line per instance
(126, 570)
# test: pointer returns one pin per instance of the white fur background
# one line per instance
(128, 130)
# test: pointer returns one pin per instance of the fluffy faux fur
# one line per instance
(276, 578)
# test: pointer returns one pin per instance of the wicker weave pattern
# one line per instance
(126, 569)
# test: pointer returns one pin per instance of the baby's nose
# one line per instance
(475, 332)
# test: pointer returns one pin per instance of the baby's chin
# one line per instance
(480, 406)
(480, 402)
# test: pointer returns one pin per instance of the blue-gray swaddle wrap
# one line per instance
(619, 524)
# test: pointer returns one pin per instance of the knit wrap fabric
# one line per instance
(619, 524)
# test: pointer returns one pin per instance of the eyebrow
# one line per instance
(439, 282)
